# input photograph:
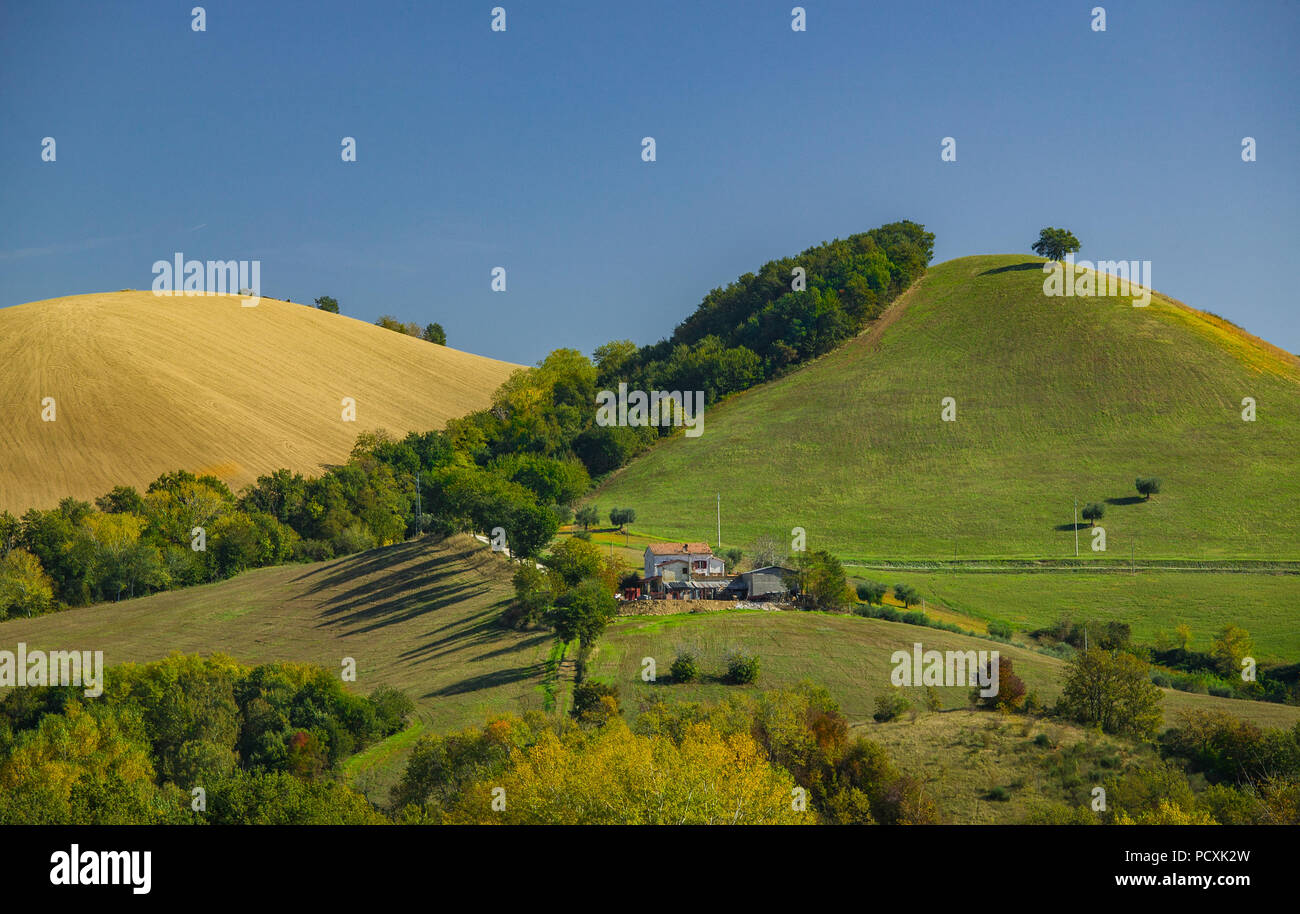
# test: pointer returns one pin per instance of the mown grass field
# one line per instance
(419, 617)
(145, 384)
(1057, 399)
(849, 655)
(1149, 601)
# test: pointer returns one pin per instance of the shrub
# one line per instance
(312, 551)
(742, 668)
(595, 702)
(685, 668)
(891, 706)
(1043, 741)
(999, 794)
(1001, 630)
(392, 709)
(354, 538)
(1011, 688)
(1191, 683)
(933, 699)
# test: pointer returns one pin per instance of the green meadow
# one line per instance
(1149, 601)
(850, 656)
(1056, 400)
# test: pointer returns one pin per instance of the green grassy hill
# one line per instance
(1149, 601)
(419, 617)
(1057, 399)
(849, 655)
(962, 756)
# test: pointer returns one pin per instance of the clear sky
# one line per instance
(522, 149)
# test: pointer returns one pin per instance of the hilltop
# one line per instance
(1056, 399)
(144, 384)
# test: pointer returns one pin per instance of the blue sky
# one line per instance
(522, 149)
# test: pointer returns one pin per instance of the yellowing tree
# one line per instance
(1230, 646)
(80, 767)
(612, 776)
(178, 510)
(113, 533)
(1166, 812)
(25, 588)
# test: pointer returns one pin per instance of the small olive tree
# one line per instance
(1147, 486)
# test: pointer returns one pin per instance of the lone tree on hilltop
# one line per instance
(1147, 486)
(1093, 512)
(1055, 243)
(435, 334)
(328, 303)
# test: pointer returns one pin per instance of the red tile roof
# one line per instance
(679, 549)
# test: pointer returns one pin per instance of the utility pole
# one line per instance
(419, 507)
(1076, 528)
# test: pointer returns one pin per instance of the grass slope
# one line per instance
(963, 756)
(849, 655)
(419, 617)
(1057, 399)
(145, 384)
(1149, 601)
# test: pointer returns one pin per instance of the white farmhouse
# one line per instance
(678, 557)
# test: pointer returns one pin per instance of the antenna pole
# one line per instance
(1076, 528)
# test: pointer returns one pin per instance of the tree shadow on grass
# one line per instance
(482, 630)
(1127, 500)
(360, 564)
(528, 643)
(1015, 267)
(363, 617)
(1068, 527)
(488, 680)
